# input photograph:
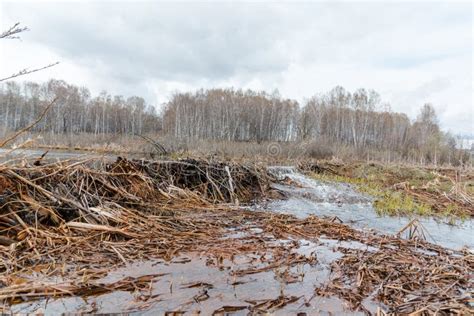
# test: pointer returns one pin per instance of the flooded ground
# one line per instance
(194, 284)
(9, 154)
(200, 283)
(311, 197)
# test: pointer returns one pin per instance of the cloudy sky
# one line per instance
(411, 53)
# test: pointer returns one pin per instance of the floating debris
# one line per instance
(66, 227)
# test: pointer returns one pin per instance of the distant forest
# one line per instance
(358, 120)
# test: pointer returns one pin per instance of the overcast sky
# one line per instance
(410, 53)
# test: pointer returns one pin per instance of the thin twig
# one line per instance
(26, 71)
(26, 129)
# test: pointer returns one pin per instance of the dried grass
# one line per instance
(78, 220)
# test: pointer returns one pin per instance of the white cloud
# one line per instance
(410, 53)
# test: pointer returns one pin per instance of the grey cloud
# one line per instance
(217, 41)
(127, 45)
(166, 41)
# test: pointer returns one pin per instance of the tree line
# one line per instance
(358, 120)
(233, 115)
(74, 111)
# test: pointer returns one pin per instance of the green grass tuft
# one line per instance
(389, 201)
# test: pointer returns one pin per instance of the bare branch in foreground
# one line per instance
(26, 129)
(15, 29)
(26, 71)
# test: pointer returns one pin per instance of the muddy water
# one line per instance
(192, 284)
(52, 155)
(195, 283)
(311, 197)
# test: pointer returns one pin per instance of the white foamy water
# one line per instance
(307, 196)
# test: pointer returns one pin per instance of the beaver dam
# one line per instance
(209, 237)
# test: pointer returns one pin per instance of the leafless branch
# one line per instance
(15, 29)
(26, 129)
(27, 71)
(11, 34)
(155, 144)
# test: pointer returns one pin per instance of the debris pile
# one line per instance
(54, 194)
(64, 226)
(405, 279)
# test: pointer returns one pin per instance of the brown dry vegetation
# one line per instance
(77, 220)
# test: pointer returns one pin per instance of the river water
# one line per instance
(307, 196)
(9, 154)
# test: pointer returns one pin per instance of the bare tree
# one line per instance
(75, 110)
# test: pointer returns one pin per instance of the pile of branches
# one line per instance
(213, 180)
(44, 208)
(80, 219)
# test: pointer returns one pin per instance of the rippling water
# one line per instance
(307, 196)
